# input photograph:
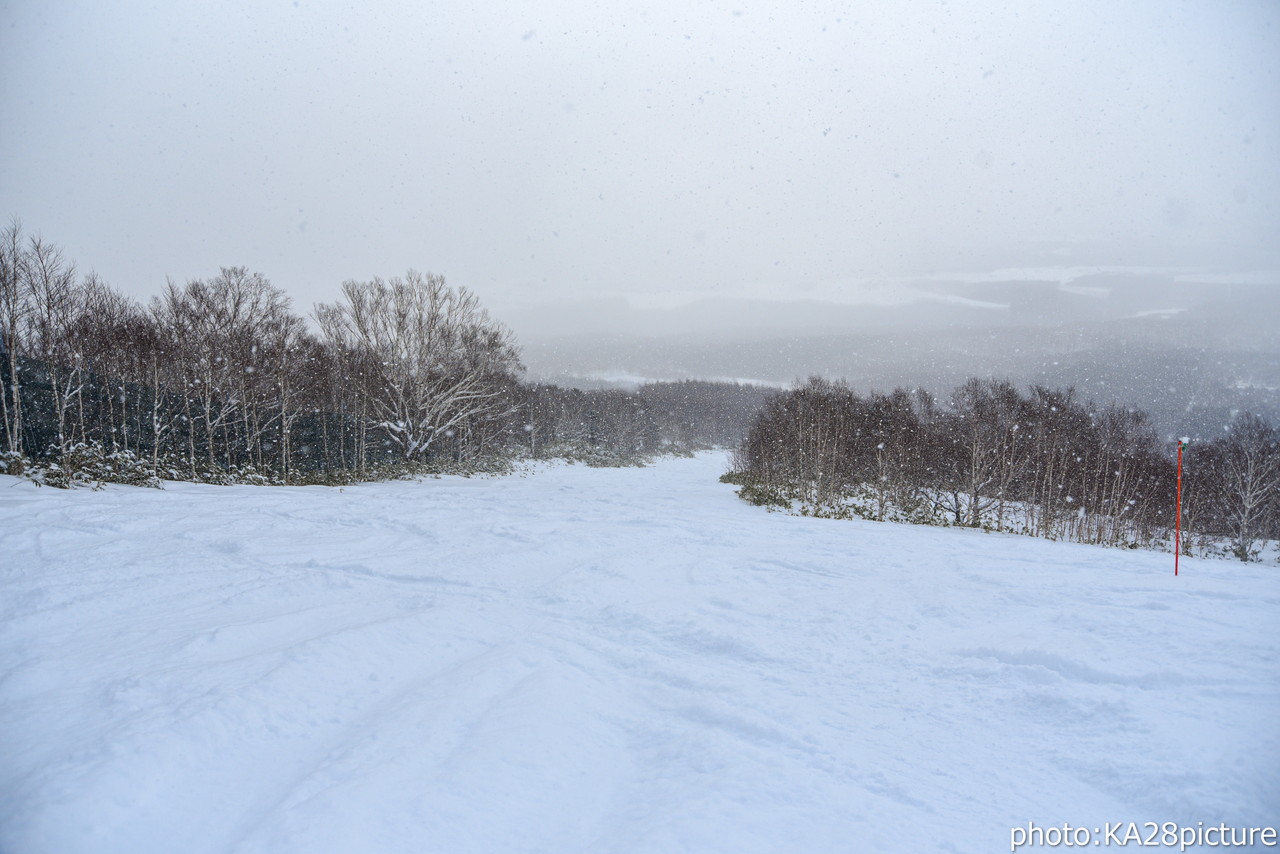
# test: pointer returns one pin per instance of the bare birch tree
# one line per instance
(433, 356)
(1249, 459)
(51, 283)
(15, 306)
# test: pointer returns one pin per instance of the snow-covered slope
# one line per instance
(588, 660)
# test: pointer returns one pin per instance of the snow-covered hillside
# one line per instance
(587, 660)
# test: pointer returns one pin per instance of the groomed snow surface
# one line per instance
(590, 660)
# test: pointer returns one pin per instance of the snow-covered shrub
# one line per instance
(14, 463)
(469, 466)
(90, 464)
(755, 492)
(763, 496)
(203, 471)
(595, 455)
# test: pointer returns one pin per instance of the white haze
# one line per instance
(653, 155)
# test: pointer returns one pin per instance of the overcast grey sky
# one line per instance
(539, 151)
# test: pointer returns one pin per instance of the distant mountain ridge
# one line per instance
(1188, 379)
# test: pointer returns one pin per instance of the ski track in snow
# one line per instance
(586, 660)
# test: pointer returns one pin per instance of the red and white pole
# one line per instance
(1177, 522)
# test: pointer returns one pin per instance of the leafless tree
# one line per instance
(51, 283)
(1121, 490)
(990, 449)
(430, 356)
(15, 307)
(227, 341)
(1249, 468)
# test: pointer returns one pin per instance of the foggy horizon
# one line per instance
(651, 159)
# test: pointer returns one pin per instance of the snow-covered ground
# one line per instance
(589, 660)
